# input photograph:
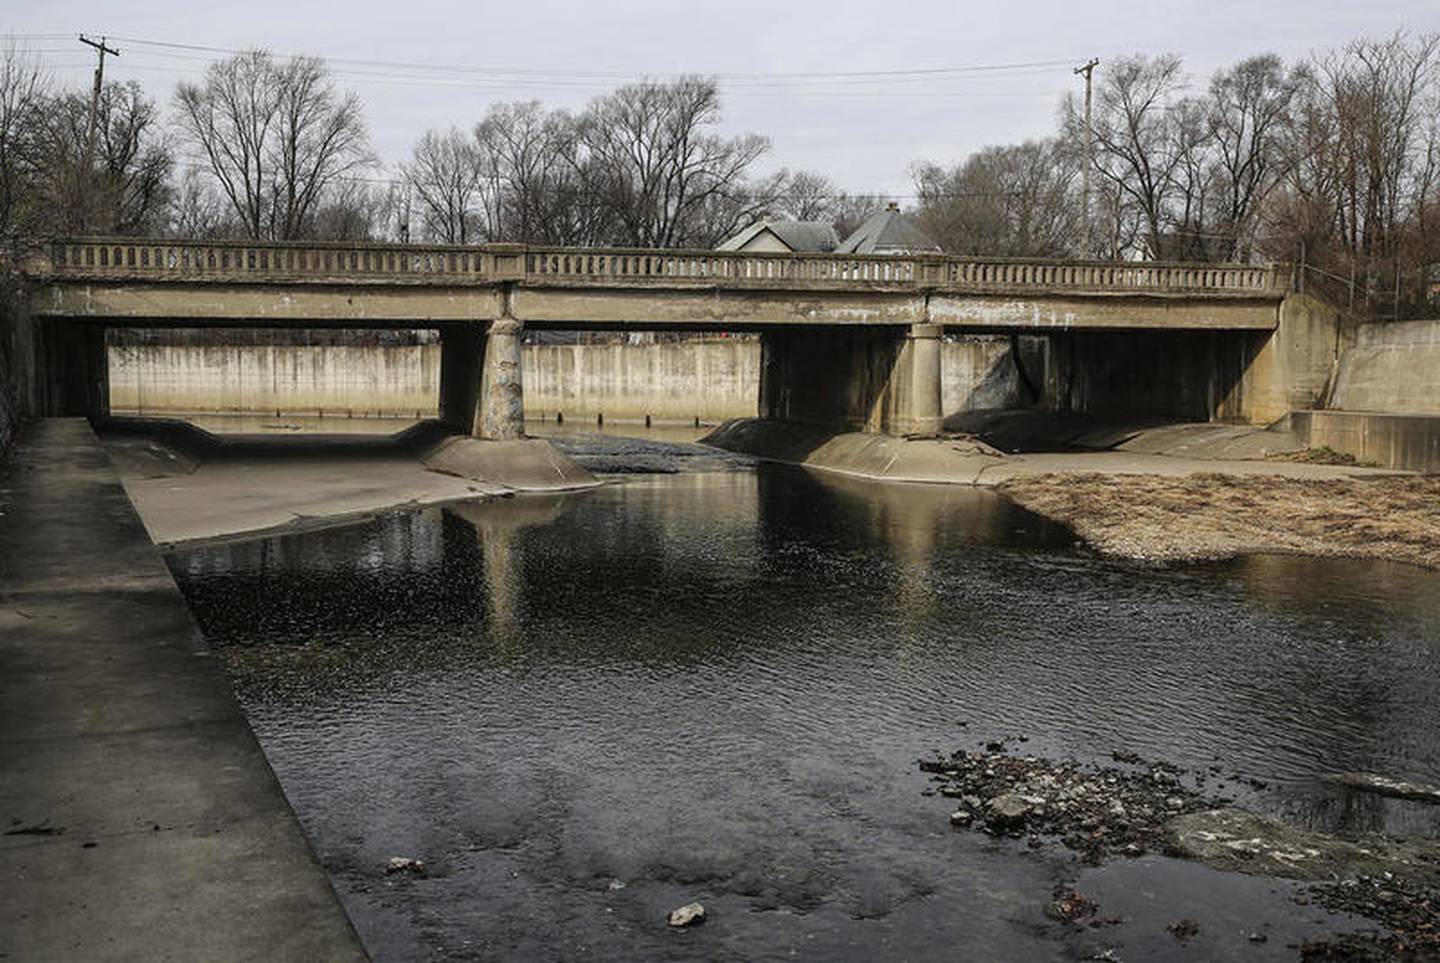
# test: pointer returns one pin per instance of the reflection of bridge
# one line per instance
(849, 339)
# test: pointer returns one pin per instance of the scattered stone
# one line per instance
(687, 915)
(1093, 811)
(1068, 906)
(1007, 812)
(1258, 937)
(399, 865)
(616, 884)
(961, 817)
(1182, 930)
(1409, 908)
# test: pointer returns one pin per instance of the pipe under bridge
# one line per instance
(849, 339)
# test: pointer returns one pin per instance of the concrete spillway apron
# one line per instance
(139, 818)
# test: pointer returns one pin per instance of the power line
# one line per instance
(612, 75)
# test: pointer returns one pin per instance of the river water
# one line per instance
(584, 711)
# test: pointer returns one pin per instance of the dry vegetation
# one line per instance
(1207, 516)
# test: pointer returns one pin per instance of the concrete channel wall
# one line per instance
(713, 379)
(1384, 405)
(1392, 367)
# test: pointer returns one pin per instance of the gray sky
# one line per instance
(447, 59)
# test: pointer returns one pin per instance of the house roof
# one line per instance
(888, 232)
(807, 236)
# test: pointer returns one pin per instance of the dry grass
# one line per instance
(1207, 516)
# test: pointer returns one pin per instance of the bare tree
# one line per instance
(448, 182)
(1015, 200)
(276, 137)
(660, 167)
(1134, 140)
(23, 88)
(1250, 107)
(539, 182)
(808, 196)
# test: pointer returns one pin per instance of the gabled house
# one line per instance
(779, 237)
(889, 232)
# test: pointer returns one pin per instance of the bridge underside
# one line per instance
(855, 359)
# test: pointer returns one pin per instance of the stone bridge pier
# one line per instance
(877, 379)
(482, 389)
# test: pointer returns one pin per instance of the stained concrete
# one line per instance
(140, 818)
(1379, 438)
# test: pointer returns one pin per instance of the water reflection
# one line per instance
(716, 685)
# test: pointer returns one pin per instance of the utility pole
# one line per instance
(1087, 70)
(100, 51)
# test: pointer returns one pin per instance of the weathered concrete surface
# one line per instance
(336, 380)
(1035, 429)
(1391, 367)
(1409, 442)
(141, 820)
(966, 462)
(516, 465)
(1244, 842)
(188, 484)
(713, 379)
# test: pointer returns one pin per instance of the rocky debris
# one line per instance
(404, 866)
(1235, 840)
(1409, 909)
(1385, 786)
(1069, 906)
(687, 915)
(1182, 930)
(1096, 812)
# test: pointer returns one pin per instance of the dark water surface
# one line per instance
(582, 712)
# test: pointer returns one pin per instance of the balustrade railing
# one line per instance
(404, 263)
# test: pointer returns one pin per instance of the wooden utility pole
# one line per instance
(100, 51)
(1087, 70)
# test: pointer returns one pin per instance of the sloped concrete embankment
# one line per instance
(141, 819)
(189, 484)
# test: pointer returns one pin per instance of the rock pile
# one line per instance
(1097, 812)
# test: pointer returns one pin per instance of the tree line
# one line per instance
(1334, 161)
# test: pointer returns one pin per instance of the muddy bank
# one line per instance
(1214, 516)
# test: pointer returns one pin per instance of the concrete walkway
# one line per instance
(140, 820)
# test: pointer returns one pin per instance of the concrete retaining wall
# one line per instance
(1390, 441)
(295, 379)
(713, 379)
(1392, 367)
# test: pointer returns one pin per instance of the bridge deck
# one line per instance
(133, 281)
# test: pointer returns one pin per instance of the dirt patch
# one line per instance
(1212, 516)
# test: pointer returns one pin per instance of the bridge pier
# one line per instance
(884, 380)
(502, 389)
(482, 389)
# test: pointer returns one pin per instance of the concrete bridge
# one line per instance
(850, 340)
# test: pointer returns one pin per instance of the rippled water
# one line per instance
(585, 711)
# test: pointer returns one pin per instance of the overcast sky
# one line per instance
(421, 63)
